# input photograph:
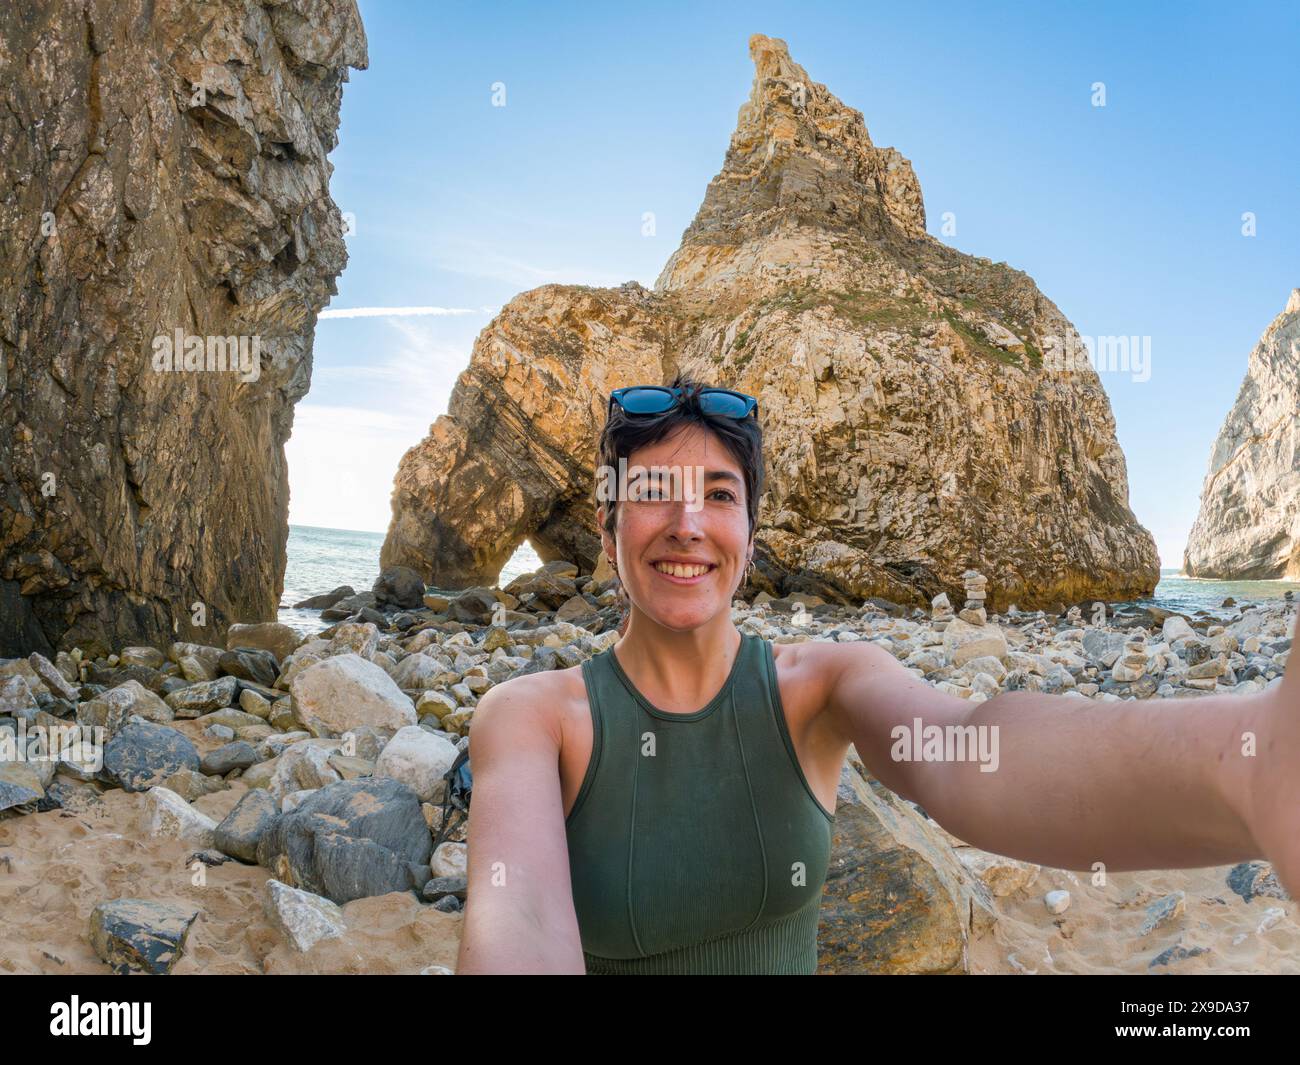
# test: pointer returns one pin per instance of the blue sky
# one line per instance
(1128, 216)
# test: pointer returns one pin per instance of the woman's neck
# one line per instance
(679, 672)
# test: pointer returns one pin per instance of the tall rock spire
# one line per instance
(1248, 527)
(798, 157)
(912, 427)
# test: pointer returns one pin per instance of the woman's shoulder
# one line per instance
(547, 690)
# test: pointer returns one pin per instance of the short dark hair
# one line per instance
(743, 438)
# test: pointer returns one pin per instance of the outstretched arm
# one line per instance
(1143, 784)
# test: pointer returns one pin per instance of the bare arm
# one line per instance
(1135, 785)
(519, 917)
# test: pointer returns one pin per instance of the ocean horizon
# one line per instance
(322, 559)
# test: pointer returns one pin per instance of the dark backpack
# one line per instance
(456, 796)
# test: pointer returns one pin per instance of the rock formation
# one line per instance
(1248, 527)
(912, 426)
(163, 177)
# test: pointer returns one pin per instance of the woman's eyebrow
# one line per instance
(722, 475)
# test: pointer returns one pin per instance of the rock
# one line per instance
(439, 704)
(896, 899)
(248, 663)
(243, 828)
(345, 608)
(450, 860)
(1162, 911)
(16, 697)
(114, 706)
(237, 755)
(351, 840)
(361, 639)
(252, 703)
(474, 606)
(1248, 527)
(142, 755)
(304, 919)
(963, 642)
(273, 636)
(204, 697)
(1249, 879)
(1176, 953)
(399, 586)
(1057, 901)
(346, 691)
(418, 672)
(139, 935)
(575, 609)
(808, 262)
(20, 787)
(53, 680)
(190, 785)
(439, 887)
(149, 657)
(183, 218)
(304, 766)
(419, 760)
(1176, 628)
(321, 602)
(170, 815)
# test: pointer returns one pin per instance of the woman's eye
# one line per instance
(729, 496)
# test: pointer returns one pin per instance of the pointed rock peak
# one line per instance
(1293, 304)
(799, 157)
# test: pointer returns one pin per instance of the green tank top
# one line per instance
(695, 843)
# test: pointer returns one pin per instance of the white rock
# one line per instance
(1057, 901)
(304, 918)
(417, 758)
(963, 642)
(450, 859)
(1175, 628)
(304, 766)
(345, 692)
(170, 815)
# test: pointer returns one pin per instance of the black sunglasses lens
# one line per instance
(725, 404)
(646, 400)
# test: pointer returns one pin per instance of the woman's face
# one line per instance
(687, 508)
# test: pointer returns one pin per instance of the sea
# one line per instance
(320, 560)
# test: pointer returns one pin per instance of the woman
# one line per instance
(667, 806)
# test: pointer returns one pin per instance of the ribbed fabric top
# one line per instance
(696, 844)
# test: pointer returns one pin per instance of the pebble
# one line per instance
(1057, 901)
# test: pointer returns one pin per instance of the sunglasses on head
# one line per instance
(655, 399)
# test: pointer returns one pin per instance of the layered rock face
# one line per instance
(913, 428)
(1248, 527)
(163, 177)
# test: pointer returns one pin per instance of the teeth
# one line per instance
(676, 569)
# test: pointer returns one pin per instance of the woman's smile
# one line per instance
(687, 573)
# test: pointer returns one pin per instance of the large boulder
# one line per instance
(399, 586)
(345, 691)
(897, 899)
(419, 759)
(142, 755)
(243, 828)
(350, 840)
(140, 935)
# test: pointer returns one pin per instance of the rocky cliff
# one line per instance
(913, 427)
(163, 177)
(1248, 527)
